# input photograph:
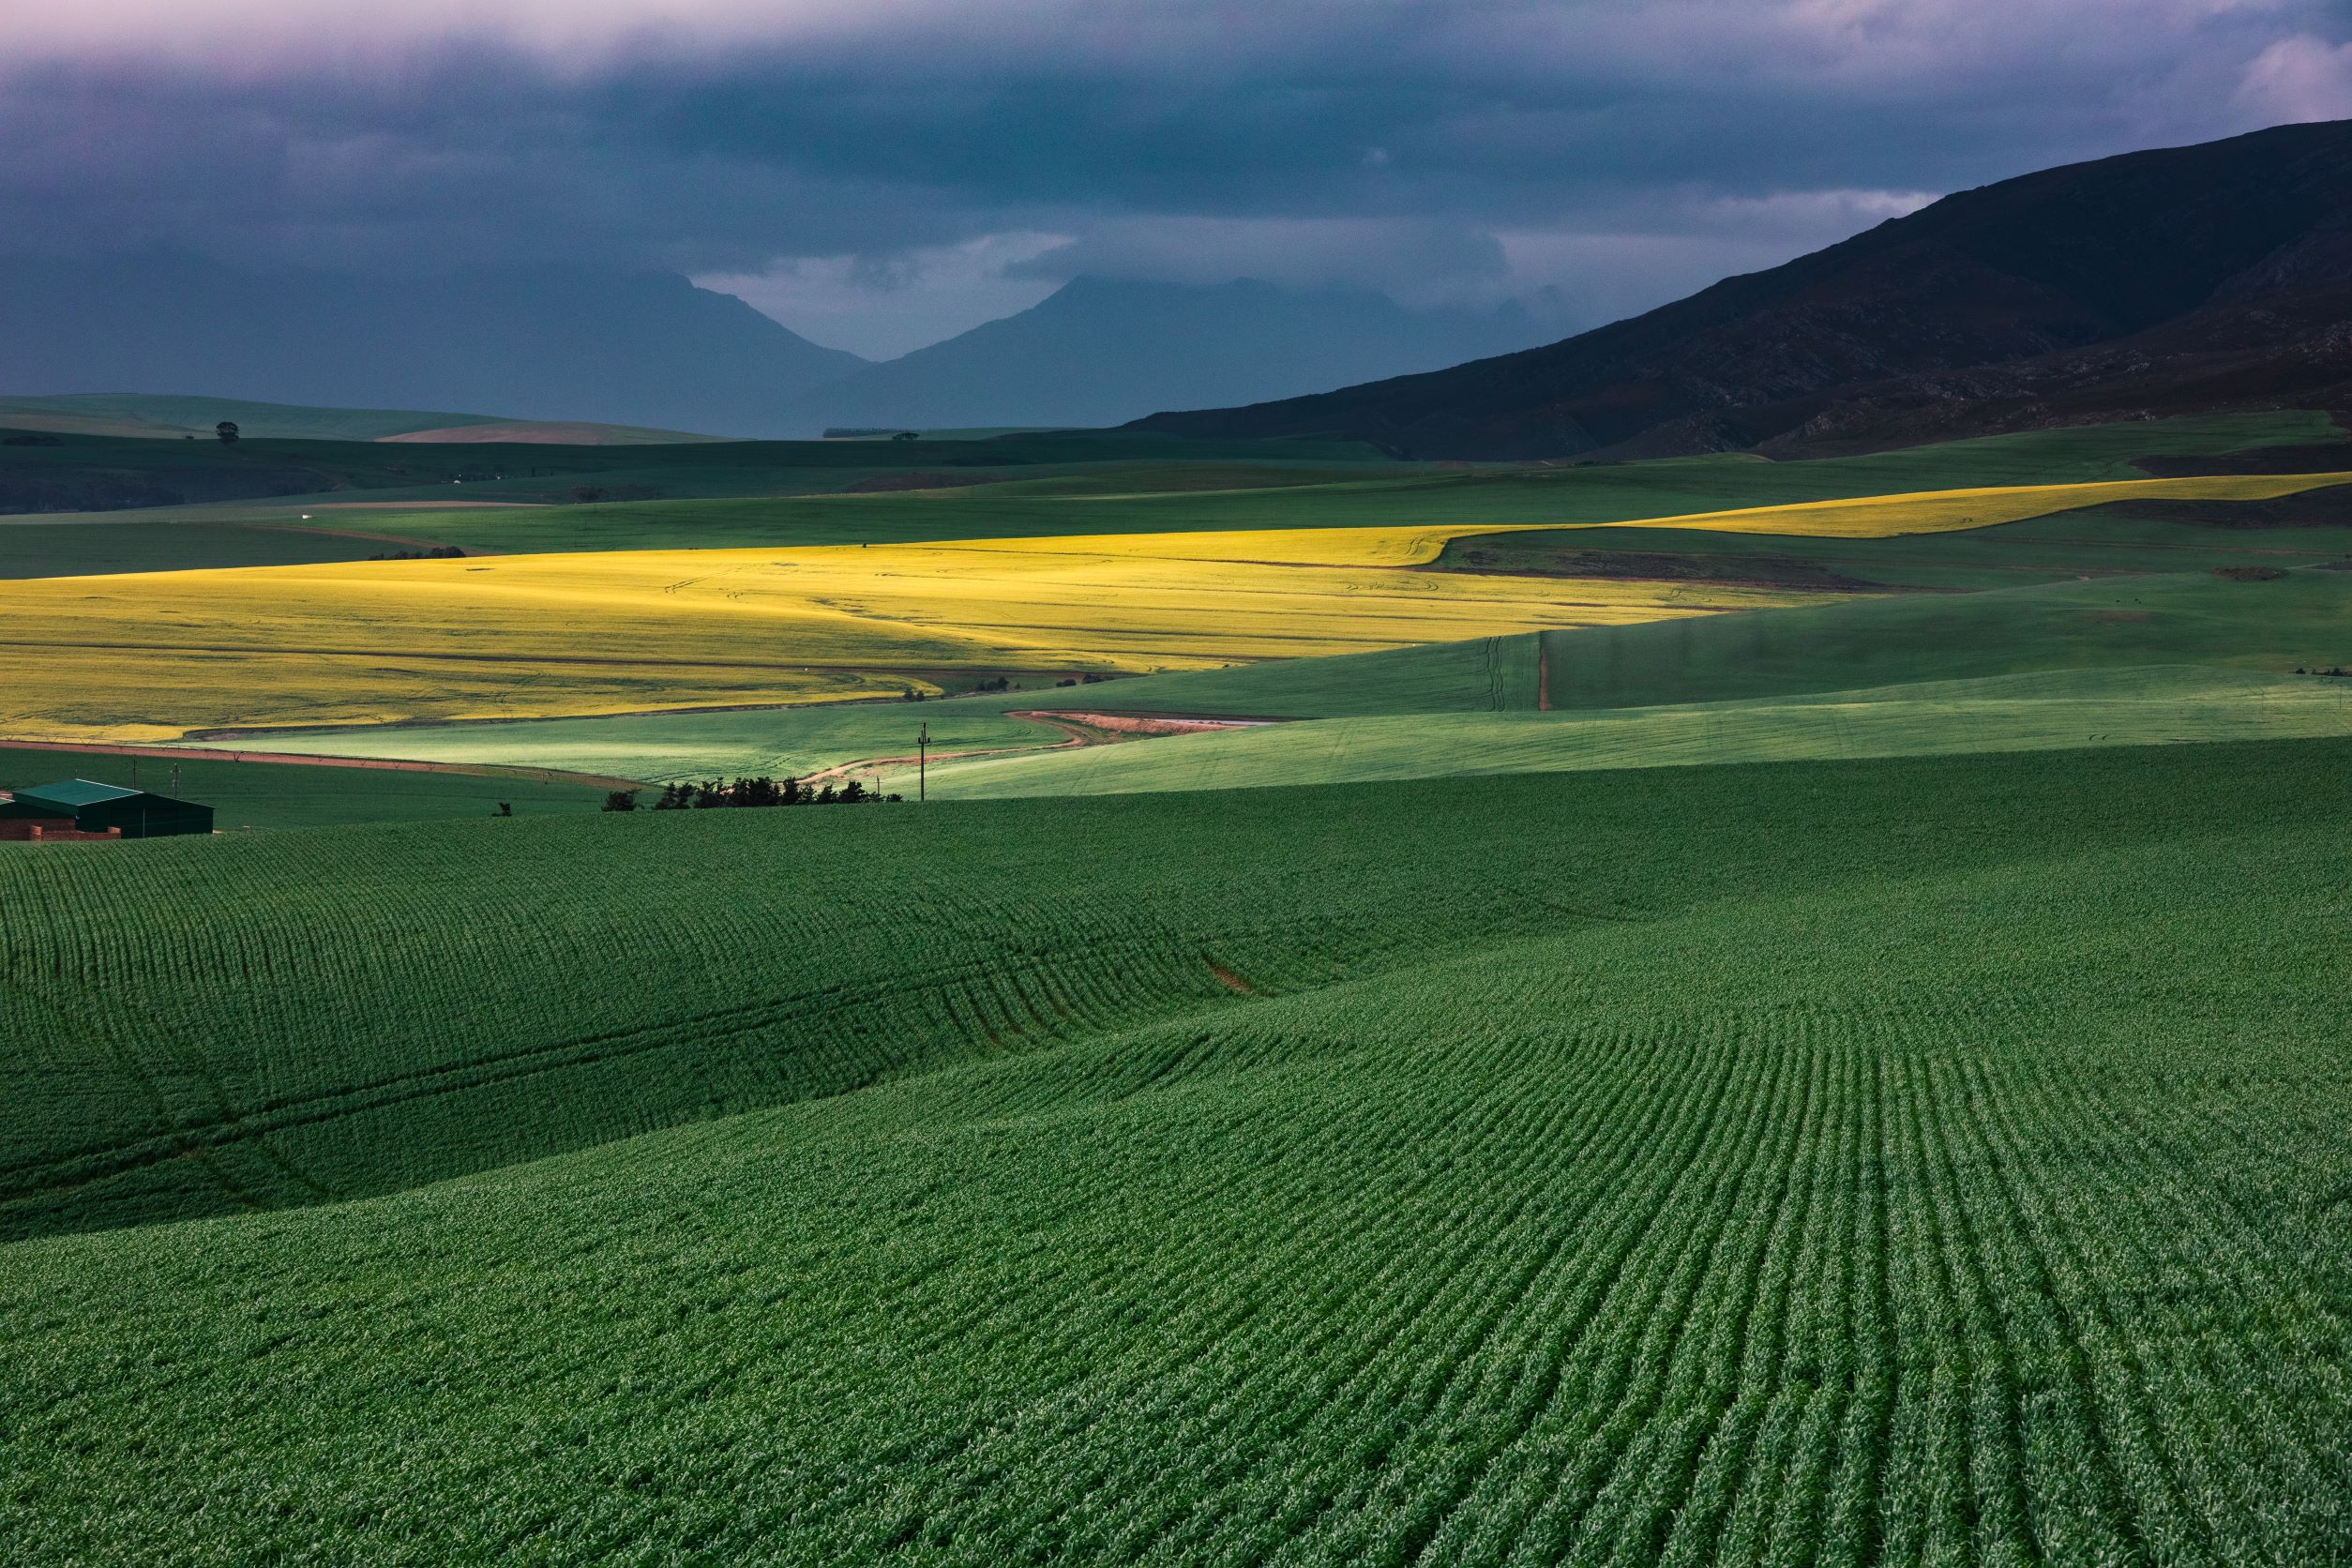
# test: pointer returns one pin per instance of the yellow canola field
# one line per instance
(1883, 517)
(154, 656)
(1870, 517)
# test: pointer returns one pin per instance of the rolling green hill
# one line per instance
(1854, 1162)
(84, 548)
(1257, 493)
(350, 500)
(274, 480)
(2053, 710)
(2178, 656)
(2119, 539)
(1435, 678)
(2270, 624)
(276, 794)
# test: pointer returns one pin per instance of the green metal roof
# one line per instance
(74, 793)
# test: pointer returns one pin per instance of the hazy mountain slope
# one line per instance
(1103, 349)
(643, 349)
(2190, 244)
(137, 414)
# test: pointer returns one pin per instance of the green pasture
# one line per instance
(252, 497)
(1445, 677)
(73, 473)
(731, 743)
(277, 794)
(1156, 500)
(2133, 705)
(88, 548)
(2094, 541)
(2298, 618)
(2212, 640)
(1846, 1162)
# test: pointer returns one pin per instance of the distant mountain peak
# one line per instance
(1100, 350)
(2109, 288)
(548, 341)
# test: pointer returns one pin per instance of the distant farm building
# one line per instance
(78, 809)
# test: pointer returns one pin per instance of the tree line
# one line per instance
(757, 791)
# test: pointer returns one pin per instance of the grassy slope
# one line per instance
(1154, 504)
(2116, 661)
(293, 794)
(2261, 630)
(1094, 484)
(1860, 1161)
(2062, 547)
(31, 549)
(2301, 618)
(1438, 677)
(264, 478)
(2133, 705)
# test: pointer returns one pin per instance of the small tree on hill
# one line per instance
(226, 431)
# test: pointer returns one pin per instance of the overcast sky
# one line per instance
(880, 173)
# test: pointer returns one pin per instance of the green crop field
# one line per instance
(2053, 710)
(272, 793)
(1145, 493)
(1487, 674)
(88, 549)
(2144, 658)
(2268, 624)
(1834, 1162)
(275, 478)
(2121, 539)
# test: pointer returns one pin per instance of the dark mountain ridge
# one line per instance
(2177, 280)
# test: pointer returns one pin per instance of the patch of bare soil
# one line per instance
(1077, 728)
(1232, 981)
(1137, 725)
(2250, 574)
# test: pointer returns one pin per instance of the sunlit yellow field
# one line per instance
(154, 656)
(1873, 516)
(1883, 517)
(151, 657)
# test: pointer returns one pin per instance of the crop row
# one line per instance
(1962, 1184)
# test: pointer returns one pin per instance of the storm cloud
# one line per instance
(1611, 152)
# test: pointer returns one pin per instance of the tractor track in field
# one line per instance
(231, 1126)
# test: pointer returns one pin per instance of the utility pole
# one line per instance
(923, 764)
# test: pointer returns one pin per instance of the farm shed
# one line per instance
(97, 808)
